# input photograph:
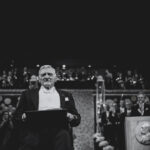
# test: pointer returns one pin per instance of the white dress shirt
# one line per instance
(48, 99)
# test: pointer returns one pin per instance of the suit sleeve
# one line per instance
(20, 108)
(72, 109)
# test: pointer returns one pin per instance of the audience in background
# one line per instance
(113, 118)
(131, 79)
(141, 108)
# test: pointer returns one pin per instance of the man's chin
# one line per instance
(47, 85)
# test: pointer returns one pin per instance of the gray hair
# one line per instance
(47, 67)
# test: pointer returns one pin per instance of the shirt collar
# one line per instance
(44, 90)
(141, 105)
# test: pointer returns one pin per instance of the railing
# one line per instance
(108, 92)
(11, 92)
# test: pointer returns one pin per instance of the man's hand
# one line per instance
(70, 116)
(24, 117)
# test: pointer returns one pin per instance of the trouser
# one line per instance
(110, 133)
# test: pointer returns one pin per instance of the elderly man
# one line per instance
(141, 109)
(45, 98)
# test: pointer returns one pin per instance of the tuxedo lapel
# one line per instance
(62, 98)
(35, 98)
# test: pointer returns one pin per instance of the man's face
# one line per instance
(5, 116)
(121, 103)
(107, 107)
(128, 105)
(47, 77)
(141, 98)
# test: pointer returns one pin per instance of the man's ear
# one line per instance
(56, 79)
(39, 79)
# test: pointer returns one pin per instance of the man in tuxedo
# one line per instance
(109, 122)
(141, 109)
(45, 98)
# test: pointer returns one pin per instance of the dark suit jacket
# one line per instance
(135, 110)
(30, 100)
(112, 119)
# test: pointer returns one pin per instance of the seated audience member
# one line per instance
(45, 98)
(141, 82)
(119, 81)
(129, 79)
(6, 127)
(147, 100)
(128, 107)
(121, 106)
(141, 109)
(33, 82)
(108, 79)
(127, 112)
(25, 76)
(109, 122)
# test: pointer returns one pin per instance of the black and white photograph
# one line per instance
(76, 83)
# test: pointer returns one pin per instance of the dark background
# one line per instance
(77, 37)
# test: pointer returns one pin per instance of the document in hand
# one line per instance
(49, 118)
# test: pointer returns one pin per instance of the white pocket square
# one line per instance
(66, 99)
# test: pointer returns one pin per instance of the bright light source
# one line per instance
(37, 65)
(64, 66)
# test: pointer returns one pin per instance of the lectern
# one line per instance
(53, 118)
(137, 133)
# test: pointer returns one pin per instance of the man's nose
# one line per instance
(47, 76)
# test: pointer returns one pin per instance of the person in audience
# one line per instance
(128, 107)
(10, 80)
(121, 106)
(25, 77)
(141, 109)
(127, 112)
(129, 79)
(135, 80)
(147, 100)
(109, 122)
(47, 97)
(6, 127)
(33, 82)
(113, 79)
(119, 81)
(141, 83)
(108, 79)
(15, 78)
